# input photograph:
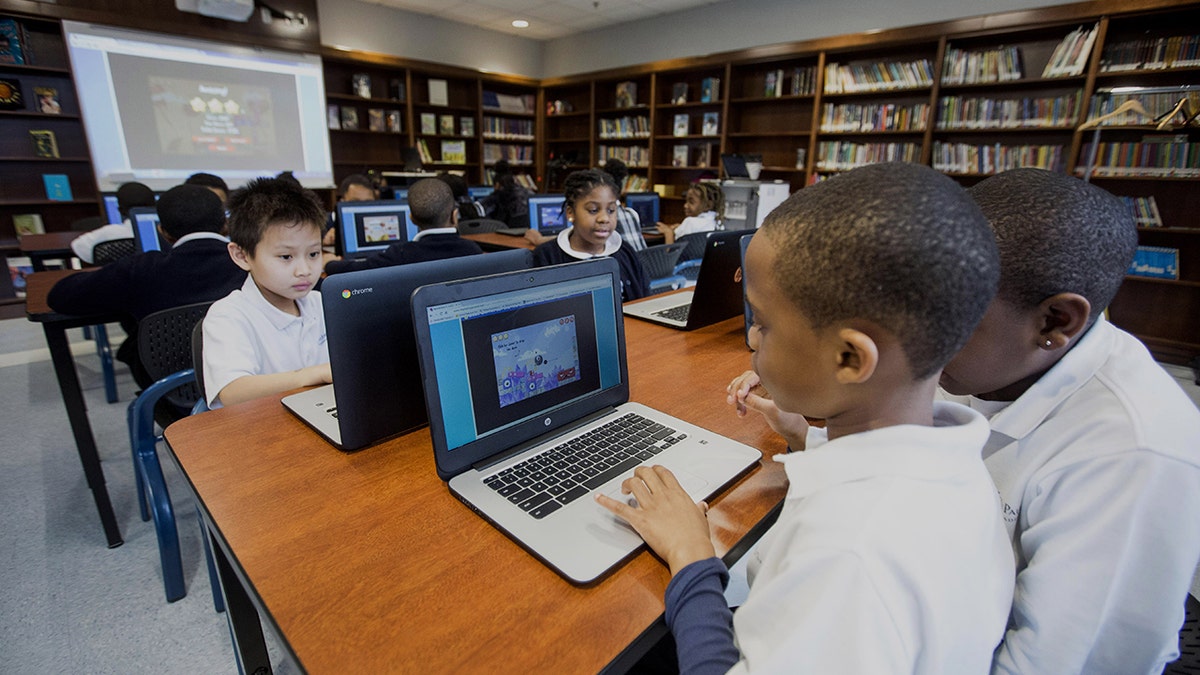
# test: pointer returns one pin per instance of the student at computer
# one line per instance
(890, 554)
(703, 207)
(508, 202)
(129, 195)
(431, 207)
(590, 206)
(196, 268)
(212, 182)
(468, 208)
(629, 223)
(353, 188)
(269, 335)
(1094, 448)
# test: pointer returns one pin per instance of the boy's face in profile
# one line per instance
(996, 355)
(286, 263)
(794, 362)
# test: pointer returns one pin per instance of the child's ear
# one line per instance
(239, 256)
(1063, 317)
(858, 355)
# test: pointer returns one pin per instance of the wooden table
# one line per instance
(365, 562)
(492, 241)
(55, 326)
(48, 246)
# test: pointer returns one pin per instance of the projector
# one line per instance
(231, 10)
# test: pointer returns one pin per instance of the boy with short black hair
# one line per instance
(431, 207)
(1094, 448)
(889, 555)
(269, 336)
(212, 182)
(129, 195)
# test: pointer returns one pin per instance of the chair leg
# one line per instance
(104, 351)
(214, 580)
(143, 505)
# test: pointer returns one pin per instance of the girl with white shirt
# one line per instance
(703, 206)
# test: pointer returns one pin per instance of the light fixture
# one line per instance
(520, 23)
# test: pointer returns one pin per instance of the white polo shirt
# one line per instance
(246, 335)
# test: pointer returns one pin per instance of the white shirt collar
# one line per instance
(280, 319)
(435, 230)
(610, 246)
(199, 235)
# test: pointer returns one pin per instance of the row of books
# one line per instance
(508, 128)
(1070, 57)
(635, 183)
(874, 117)
(882, 76)
(432, 124)
(1144, 211)
(521, 155)
(378, 119)
(686, 155)
(959, 112)
(523, 179)
(1155, 103)
(633, 155)
(1002, 64)
(1153, 156)
(843, 156)
(453, 152)
(1179, 51)
(986, 159)
(625, 127)
(1159, 262)
(710, 124)
(802, 81)
(525, 103)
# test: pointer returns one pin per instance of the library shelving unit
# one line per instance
(439, 104)
(566, 131)
(508, 129)
(771, 112)
(623, 120)
(688, 116)
(22, 162)
(368, 116)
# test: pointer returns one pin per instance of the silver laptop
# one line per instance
(376, 391)
(716, 296)
(526, 382)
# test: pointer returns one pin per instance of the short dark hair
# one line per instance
(352, 180)
(458, 186)
(430, 203)
(899, 245)
(264, 202)
(133, 195)
(501, 168)
(618, 170)
(580, 183)
(185, 209)
(207, 180)
(1056, 234)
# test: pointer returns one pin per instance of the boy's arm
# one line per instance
(700, 619)
(741, 395)
(105, 290)
(249, 387)
(233, 362)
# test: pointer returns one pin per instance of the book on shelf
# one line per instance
(423, 151)
(454, 152)
(446, 125)
(710, 90)
(626, 94)
(47, 100)
(846, 155)
(682, 122)
(879, 76)
(1154, 156)
(58, 187)
(526, 181)
(636, 183)
(1157, 103)
(44, 143)
(704, 155)
(360, 84)
(513, 103)
(679, 93)
(1070, 57)
(439, 93)
(349, 118)
(333, 116)
(1143, 209)
(393, 122)
(679, 155)
(19, 269)
(711, 125)
(804, 81)
(801, 155)
(28, 223)
(12, 42)
(10, 95)
(396, 89)
(1159, 262)
(466, 125)
(971, 112)
(854, 117)
(773, 83)
(375, 119)
(1002, 64)
(986, 159)
(428, 124)
(1152, 53)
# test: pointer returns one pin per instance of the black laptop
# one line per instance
(716, 296)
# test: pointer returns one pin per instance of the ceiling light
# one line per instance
(520, 23)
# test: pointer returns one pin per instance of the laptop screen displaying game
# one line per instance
(367, 227)
(546, 214)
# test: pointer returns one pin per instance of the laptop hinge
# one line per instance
(566, 430)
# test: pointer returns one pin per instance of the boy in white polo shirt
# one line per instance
(269, 336)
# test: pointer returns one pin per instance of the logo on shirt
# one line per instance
(358, 291)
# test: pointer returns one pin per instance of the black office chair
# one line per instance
(659, 263)
(1188, 662)
(112, 250)
(480, 225)
(102, 254)
(693, 254)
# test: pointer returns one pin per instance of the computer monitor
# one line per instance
(145, 229)
(646, 205)
(478, 192)
(546, 214)
(367, 227)
(111, 211)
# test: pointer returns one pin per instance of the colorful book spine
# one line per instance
(506, 128)
(1158, 262)
(881, 76)
(1170, 156)
(849, 117)
(986, 159)
(1177, 51)
(843, 156)
(1002, 64)
(973, 112)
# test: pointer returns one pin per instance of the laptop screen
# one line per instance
(145, 229)
(111, 211)
(526, 350)
(480, 191)
(546, 214)
(373, 226)
(646, 204)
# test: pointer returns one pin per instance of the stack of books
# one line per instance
(890, 76)
(1144, 211)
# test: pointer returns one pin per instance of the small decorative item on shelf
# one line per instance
(333, 116)
(682, 122)
(711, 124)
(438, 93)
(393, 121)
(428, 124)
(47, 100)
(626, 95)
(44, 143)
(558, 107)
(679, 93)
(466, 125)
(361, 83)
(12, 41)
(349, 118)
(679, 155)
(446, 125)
(28, 223)
(710, 90)
(396, 89)
(801, 155)
(10, 95)
(375, 119)
(58, 187)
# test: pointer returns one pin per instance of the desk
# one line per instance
(365, 562)
(55, 326)
(491, 241)
(43, 247)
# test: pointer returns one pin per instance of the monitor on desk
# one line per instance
(478, 192)
(111, 210)
(546, 214)
(367, 227)
(646, 204)
(145, 229)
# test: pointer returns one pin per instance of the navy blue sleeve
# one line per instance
(700, 619)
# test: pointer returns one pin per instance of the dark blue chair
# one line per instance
(692, 256)
(659, 263)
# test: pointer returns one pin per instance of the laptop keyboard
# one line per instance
(677, 313)
(558, 476)
(332, 412)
